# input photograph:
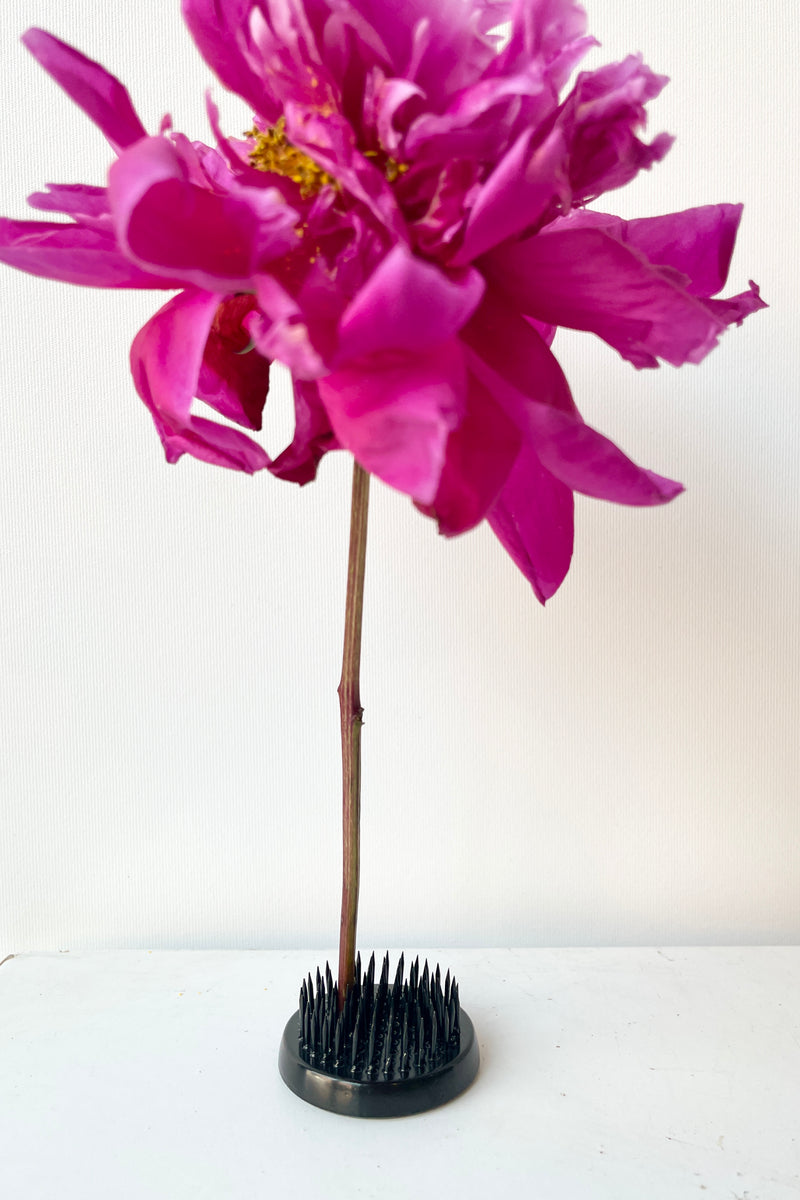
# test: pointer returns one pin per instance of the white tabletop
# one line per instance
(612, 1074)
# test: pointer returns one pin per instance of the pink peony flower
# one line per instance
(404, 227)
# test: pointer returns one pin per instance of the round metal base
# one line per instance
(396, 1097)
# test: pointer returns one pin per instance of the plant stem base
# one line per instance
(388, 1051)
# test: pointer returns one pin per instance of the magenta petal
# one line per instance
(395, 411)
(533, 518)
(550, 30)
(392, 94)
(221, 34)
(280, 332)
(234, 378)
(736, 308)
(166, 358)
(694, 247)
(168, 223)
(479, 456)
(480, 121)
(525, 378)
(600, 118)
(441, 47)
(330, 141)
(586, 279)
(697, 242)
(313, 436)
(517, 352)
(516, 194)
(72, 254)
(101, 96)
(407, 302)
(86, 204)
(590, 463)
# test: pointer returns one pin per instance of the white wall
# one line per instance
(620, 768)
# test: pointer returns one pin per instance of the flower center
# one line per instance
(274, 152)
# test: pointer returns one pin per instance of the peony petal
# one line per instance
(220, 32)
(168, 223)
(590, 463)
(438, 47)
(166, 358)
(550, 30)
(313, 437)
(392, 94)
(482, 120)
(697, 242)
(517, 194)
(407, 302)
(329, 140)
(234, 377)
(586, 279)
(280, 331)
(394, 411)
(600, 118)
(533, 518)
(72, 254)
(694, 246)
(479, 456)
(101, 96)
(86, 204)
(524, 377)
(517, 352)
(736, 308)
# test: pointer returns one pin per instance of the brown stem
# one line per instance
(351, 714)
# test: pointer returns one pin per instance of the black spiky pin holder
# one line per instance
(391, 1050)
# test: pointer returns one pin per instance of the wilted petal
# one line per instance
(166, 358)
(407, 302)
(85, 204)
(313, 436)
(480, 121)
(698, 242)
(591, 464)
(394, 411)
(329, 140)
(281, 332)
(517, 352)
(517, 193)
(234, 377)
(168, 223)
(440, 47)
(524, 377)
(73, 254)
(694, 247)
(101, 96)
(221, 32)
(550, 30)
(533, 518)
(479, 456)
(734, 309)
(586, 279)
(600, 118)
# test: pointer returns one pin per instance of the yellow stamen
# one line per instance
(274, 152)
(393, 169)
